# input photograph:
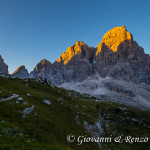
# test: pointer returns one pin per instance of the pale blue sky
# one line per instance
(31, 30)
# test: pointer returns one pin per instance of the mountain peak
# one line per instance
(71, 51)
(114, 37)
(19, 68)
(43, 69)
(21, 71)
(80, 43)
(44, 61)
(123, 27)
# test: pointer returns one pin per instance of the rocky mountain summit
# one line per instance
(43, 69)
(104, 72)
(21, 72)
(3, 66)
(127, 62)
(121, 71)
(76, 63)
(113, 38)
(80, 49)
(117, 56)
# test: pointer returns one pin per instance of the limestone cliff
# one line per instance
(117, 56)
(43, 69)
(76, 49)
(113, 38)
(3, 66)
(21, 72)
(76, 62)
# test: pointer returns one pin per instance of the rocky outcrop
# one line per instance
(77, 51)
(113, 38)
(127, 62)
(43, 69)
(3, 66)
(76, 63)
(109, 89)
(71, 52)
(21, 72)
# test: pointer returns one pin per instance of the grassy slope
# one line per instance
(50, 124)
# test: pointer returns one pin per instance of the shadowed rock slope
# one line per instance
(3, 66)
(21, 72)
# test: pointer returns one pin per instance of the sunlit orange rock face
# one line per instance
(117, 56)
(70, 52)
(76, 63)
(113, 38)
(20, 67)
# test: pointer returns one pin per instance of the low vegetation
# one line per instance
(46, 126)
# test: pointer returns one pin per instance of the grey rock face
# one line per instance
(21, 72)
(128, 63)
(43, 69)
(117, 56)
(76, 64)
(109, 89)
(3, 66)
(80, 64)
